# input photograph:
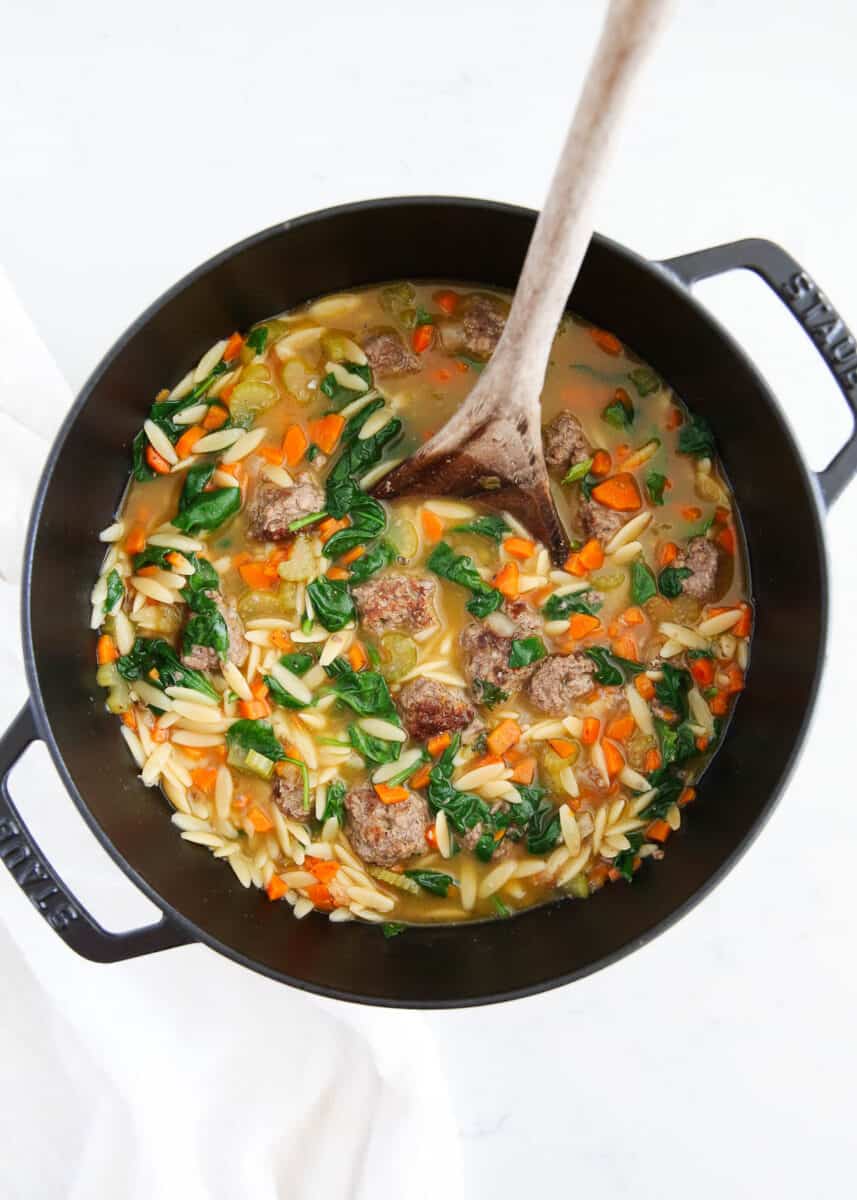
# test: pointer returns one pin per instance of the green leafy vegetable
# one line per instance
(624, 860)
(488, 693)
(373, 749)
(115, 591)
(677, 745)
(558, 608)
(502, 909)
(669, 581)
(538, 816)
(142, 471)
(525, 651)
(206, 625)
(199, 509)
(365, 692)
(357, 457)
(335, 802)
(644, 380)
(461, 569)
(377, 556)
(407, 772)
(309, 519)
(618, 414)
(435, 882)
(612, 670)
(423, 317)
(257, 338)
(463, 810)
(279, 694)
(298, 662)
(696, 438)
(643, 585)
(258, 736)
(578, 471)
(492, 527)
(331, 602)
(672, 689)
(368, 519)
(391, 929)
(149, 655)
(655, 484)
(339, 395)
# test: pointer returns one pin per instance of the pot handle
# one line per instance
(43, 887)
(810, 307)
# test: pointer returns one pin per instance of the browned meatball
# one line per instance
(701, 559)
(206, 658)
(273, 508)
(565, 442)
(288, 794)
(486, 658)
(428, 707)
(388, 354)
(386, 834)
(476, 327)
(559, 680)
(396, 602)
(599, 522)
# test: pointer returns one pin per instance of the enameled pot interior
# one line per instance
(454, 240)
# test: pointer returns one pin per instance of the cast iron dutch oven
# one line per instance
(650, 308)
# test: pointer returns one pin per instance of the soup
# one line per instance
(404, 712)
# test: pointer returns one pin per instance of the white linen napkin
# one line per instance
(180, 1074)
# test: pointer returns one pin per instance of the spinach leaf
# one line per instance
(435, 882)
(373, 749)
(460, 569)
(206, 625)
(696, 438)
(618, 414)
(644, 380)
(335, 803)
(543, 828)
(578, 471)
(612, 670)
(357, 457)
(115, 591)
(502, 909)
(209, 511)
(391, 929)
(331, 602)
(492, 527)
(298, 662)
(365, 692)
(670, 787)
(485, 847)
(142, 471)
(463, 810)
(672, 690)
(163, 412)
(643, 585)
(488, 693)
(423, 317)
(258, 736)
(525, 651)
(339, 395)
(367, 521)
(669, 581)
(587, 483)
(203, 579)
(655, 484)
(558, 608)
(257, 338)
(377, 556)
(154, 655)
(279, 694)
(677, 745)
(624, 860)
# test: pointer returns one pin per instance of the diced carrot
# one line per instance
(217, 415)
(129, 718)
(159, 733)
(422, 338)
(687, 796)
(241, 557)
(260, 820)
(592, 555)
(504, 735)
(281, 640)
(719, 704)
(621, 728)
(431, 837)
(626, 647)
(667, 553)
(275, 889)
(613, 630)
(613, 758)
(652, 761)
(589, 734)
(105, 650)
(253, 710)
(233, 347)
(337, 573)
(644, 686)
(702, 670)
(691, 512)
(519, 547)
(601, 463)
(735, 676)
(658, 831)
(675, 418)
(606, 341)
(598, 874)
(506, 579)
(420, 777)
(148, 571)
(447, 301)
(619, 493)
(162, 395)
(701, 743)
(352, 556)
(198, 752)
(295, 445)
(745, 624)
(539, 595)
(329, 526)
(582, 624)
(225, 393)
(524, 771)
(574, 564)
(271, 454)
(293, 752)
(326, 431)
(319, 894)
(432, 525)
(357, 656)
(726, 539)
(324, 869)
(442, 375)
(157, 462)
(437, 744)
(235, 469)
(391, 795)
(259, 689)
(563, 747)
(204, 778)
(255, 575)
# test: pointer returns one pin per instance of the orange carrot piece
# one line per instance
(644, 686)
(621, 728)
(217, 415)
(702, 670)
(233, 347)
(606, 341)
(319, 894)
(431, 837)
(271, 454)
(281, 640)
(275, 889)
(519, 547)
(658, 831)
(352, 556)
(187, 441)
(675, 418)
(446, 301)
(601, 463)
(129, 718)
(726, 540)
(255, 575)
(148, 571)
(582, 624)
(391, 795)
(505, 735)
(158, 733)
(626, 647)
(719, 704)
(324, 869)
(442, 375)
(260, 821)
(667, 554)
(506, 579)
(326, 431)
(437, 744)
(253, 710)
(420, 777)
(357, 656)
(259, 689)
(745, 624)
(701, 743)
(539, 596)
(158, 464)
(735, 676)
(337, 573)
(687, 796)
(589, 733)
(691, 512)
(524, 771)
(295, 445)
(652, 761)
(598, 874)
(432, 525)
(591, 555)
(633, 615)
(204, 778)
(613, 758)
(330, 526)
(619, 493)
(562, 746)
(105, 650)
(574, 564)
(422, 338)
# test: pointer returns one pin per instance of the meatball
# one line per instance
(565, 442)
(599, 522)
(273, 508)
(288, 794)
(561, 679)
(206, 658)
(476, 327)
(386, 834)
(396, 602)
(388, 354)
(486, 657)
(428, 708)
(467, 841)
(701, 559)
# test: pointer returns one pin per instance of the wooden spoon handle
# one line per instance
(564, 228)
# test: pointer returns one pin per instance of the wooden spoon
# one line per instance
(492, 446)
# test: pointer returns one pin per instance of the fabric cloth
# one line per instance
(180, 1074)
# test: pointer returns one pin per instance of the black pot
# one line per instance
(649, 307)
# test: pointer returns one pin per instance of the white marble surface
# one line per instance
(135, 141)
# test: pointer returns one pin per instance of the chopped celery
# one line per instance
(397, 881)
(258, 764)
